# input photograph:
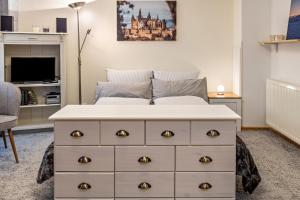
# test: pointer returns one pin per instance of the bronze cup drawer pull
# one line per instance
(84, 186)
(168, 134)
(213, 133)
(205, 186)
(84, 160)
(144, 160)
(205, 159)
(77, 134)
(122, 133)
(144, 186)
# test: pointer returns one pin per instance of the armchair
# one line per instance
(10, 100)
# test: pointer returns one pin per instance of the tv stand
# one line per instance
(35, 45)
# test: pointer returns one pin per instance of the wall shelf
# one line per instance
(276, 43)
(279, 42)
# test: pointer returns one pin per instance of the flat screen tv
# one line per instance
(32, 69)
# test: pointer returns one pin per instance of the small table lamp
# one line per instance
(220, 89)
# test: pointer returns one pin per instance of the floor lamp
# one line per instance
(76, 6)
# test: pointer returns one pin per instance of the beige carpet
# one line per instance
(278, 162)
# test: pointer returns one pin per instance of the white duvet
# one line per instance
(180, 100)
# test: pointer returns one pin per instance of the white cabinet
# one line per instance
(23, 44)
(231, 100)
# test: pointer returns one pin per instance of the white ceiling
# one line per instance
(26, 5)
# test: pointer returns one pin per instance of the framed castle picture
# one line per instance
(146, 20)
(294, 21)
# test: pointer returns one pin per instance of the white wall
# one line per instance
(3, 7)
(256, 20)
(237, 48)
(28, 5)
(13, 9)
(285, 64)
(205, 42)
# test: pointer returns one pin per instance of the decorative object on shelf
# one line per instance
(77, 6)
(7, 23)
(294, 21)
(46, 29)
(61, 25)
(36, 29)
(220, 89)
(274, 38)
(146, 20)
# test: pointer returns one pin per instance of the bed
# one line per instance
(165, 89)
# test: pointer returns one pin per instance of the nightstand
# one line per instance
(231, 100)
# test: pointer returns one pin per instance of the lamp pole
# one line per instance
(77, 6)
(79, 58)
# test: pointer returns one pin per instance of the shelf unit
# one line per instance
(277, 43)
(26, 44)
(40, 105)
(37, 85)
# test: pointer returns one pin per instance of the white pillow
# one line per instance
(175, 76)
(114, 75)
(180, 100)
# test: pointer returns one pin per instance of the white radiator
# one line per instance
(283, 109)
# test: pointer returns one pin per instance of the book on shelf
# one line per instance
(28, 97)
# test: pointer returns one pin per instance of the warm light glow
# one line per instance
(220, 89)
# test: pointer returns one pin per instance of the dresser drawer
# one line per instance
(77, 133)
(205, 158)
(204, 199)
(145, 199)
(222, 184)
(31, 39)
(122, 132)
(84, 199)
(148, 158)
(144, 184)
(75, 158)
(101, 185)
(213, 132)
(167, 132)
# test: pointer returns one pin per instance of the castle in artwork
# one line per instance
(148, 29)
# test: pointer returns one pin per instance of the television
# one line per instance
(32, 69)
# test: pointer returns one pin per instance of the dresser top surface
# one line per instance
(145, 112)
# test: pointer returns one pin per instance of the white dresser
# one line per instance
(145, 152)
